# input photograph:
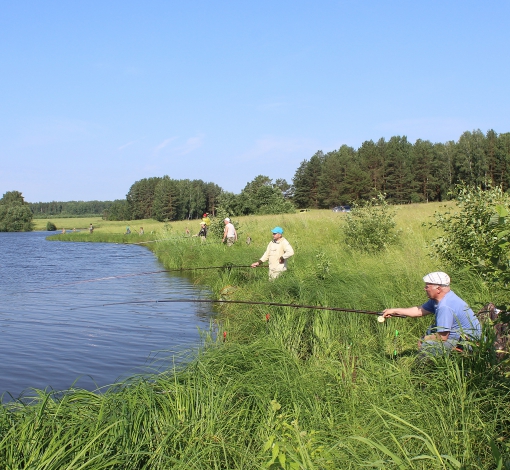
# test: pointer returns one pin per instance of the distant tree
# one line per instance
(306, 182)
(212, 192)
(399, 179)
(470, 162)
(119, 210)
(284, 187)
(15, 214)
(165, 199)
(502, 173)
(141, 197)
(342, 179)
(332, 178)
(12, 198)
(256, 193)
(261, 196)
(371, 158)
(229, 203)
(426, 169)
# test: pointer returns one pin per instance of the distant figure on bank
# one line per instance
(187, 231)
(74, 230)
(230, 233)
(206, 220)
(277, 253)
(141, 231)
(91, 228)
(248, 240)
(454, 321)
(203, 232)
(128, 230)
(63, 230)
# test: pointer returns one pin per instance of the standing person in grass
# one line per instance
(277, 253)
(454, 320)
(203, 231)
(206, 220)
(230, 233)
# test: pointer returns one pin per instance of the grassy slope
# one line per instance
(314, 388)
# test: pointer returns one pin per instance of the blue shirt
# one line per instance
(453, 315)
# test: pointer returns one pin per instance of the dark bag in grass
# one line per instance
(489, 313)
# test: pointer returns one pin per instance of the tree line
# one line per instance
(405, 172)
(164, 198)
(56, 209)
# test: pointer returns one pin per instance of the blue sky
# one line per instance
(96, 95)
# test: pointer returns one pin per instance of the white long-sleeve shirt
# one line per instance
(276, 250)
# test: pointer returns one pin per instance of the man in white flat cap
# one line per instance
(229, 233)
(454, 320)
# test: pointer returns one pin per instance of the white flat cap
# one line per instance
(438, 277)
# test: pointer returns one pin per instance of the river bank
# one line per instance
(298, 389)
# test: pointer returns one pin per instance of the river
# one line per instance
(55, 330)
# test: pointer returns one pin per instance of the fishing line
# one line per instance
(193, 237)
(121, 276)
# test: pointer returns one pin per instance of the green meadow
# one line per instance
(279, 387)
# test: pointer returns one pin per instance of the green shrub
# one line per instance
(50, 226)
(370, 227)
(475, 236)
(217, 226)
(15, 214)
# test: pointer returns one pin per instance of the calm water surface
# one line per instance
(47, 338)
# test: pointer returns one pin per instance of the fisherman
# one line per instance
(277, 253)
(454, 321)
(91, 228)
(230, 233)
(206, 220)
(202, 232)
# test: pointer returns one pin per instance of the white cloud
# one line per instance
(188, 146)
(163, 144)
(191, 144)
(122, 147)
(271, 147)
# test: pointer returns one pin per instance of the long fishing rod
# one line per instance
(245, 302)
(226, 266)
(192, 237)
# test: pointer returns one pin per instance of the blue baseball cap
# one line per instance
(278, 230)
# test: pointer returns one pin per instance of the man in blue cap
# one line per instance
(277, 253)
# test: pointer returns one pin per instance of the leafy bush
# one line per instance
(50, 226)
(370, 227)
(217, 226)
(15, 214)
(476, 235)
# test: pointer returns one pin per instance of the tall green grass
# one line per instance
(300, 388)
